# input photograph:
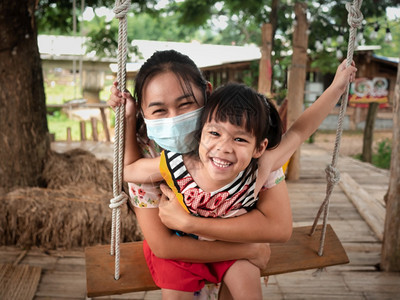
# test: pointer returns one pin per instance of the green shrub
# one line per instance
(383, 154)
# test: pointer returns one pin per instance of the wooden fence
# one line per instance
(82, 124)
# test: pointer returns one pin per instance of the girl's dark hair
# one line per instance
(168, 61)
(242, 106)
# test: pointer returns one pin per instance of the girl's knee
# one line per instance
(243, 280)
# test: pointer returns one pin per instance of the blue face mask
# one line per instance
(175, 134)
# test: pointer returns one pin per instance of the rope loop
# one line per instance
(121, 8)
(118, 201)
(355, 16)
(332, 174)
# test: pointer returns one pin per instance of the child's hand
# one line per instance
(118, 98)
(171, 213)
(343, 76)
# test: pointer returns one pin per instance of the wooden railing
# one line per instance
(93, 120)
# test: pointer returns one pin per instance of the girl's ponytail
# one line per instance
(275, 131)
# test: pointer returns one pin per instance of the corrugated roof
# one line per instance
(387, 59)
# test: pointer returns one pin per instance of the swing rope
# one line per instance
(354, 20)
(120, 198)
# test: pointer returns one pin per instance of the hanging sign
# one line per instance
(364, 91)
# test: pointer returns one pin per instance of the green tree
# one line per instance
(328, 27)
(163, 28)
(328, 21)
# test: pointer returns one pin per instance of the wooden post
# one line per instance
(391, 240)
(83, 130)
(265, 69)
(231, 75)
(105, 126)
(369, 132)
(69, 135)
(93, 121)
(297, 79)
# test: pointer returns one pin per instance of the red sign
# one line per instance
(364, 91)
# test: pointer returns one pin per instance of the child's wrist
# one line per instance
(188, 224)
(335, 91)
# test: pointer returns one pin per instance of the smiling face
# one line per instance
(166, 96)
(225, 150)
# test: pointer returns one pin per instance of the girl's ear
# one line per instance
(260, 149)
(209, 88)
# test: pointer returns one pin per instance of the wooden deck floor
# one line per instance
(63, 272)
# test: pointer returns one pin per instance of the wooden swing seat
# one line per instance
(299, 253)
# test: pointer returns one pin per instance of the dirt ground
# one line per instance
(351, 142)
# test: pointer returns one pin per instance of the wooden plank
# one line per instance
(371, 211)
(18, 282)
(134, 274)
(64, 285)
(299, 253)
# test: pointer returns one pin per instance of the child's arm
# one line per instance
(166, 244)
(136, 168)
(270, 222)
(117, 99)
(309, 120)
(143, 170)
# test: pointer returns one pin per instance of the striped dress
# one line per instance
(234, 199)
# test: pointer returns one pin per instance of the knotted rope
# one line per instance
(354, 20)
(121, 9)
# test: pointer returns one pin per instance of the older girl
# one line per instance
(169, 85)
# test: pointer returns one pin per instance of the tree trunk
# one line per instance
(24, 135)
(265, 70)
(267, 37)
(368, 137)
(297, 79)
(273, 18)
(391, 237)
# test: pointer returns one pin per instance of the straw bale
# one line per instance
(77, 167)
(64, 218)
(71, 212)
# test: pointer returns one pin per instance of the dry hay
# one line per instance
(72, 212)
(77, 167)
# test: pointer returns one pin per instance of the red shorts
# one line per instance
(183, 276)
